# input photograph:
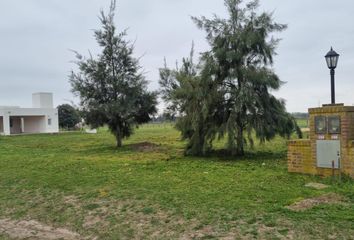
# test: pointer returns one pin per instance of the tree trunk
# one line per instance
(119, 138)
(119, 142)
(239, 142)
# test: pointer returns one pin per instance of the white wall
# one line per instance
(35, 120)
(42, 100)
(34, 124)
(6, 122)
(54, 127)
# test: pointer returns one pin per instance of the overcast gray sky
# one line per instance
(36, 35)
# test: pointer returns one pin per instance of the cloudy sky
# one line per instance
(36, 35)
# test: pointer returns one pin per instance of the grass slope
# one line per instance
(82, 182)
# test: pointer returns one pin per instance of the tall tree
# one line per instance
(111, 86)
(192, 95)
(68, 116)
(235, 83)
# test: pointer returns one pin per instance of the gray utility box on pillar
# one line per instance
(328, 151)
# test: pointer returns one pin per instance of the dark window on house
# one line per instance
(49, 121)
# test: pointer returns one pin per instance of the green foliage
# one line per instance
(112, 87)
(68, 116)
(228, 93)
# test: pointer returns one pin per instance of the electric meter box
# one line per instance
(328, 153)
(329, 149)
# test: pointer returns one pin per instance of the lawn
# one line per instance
(82, 184)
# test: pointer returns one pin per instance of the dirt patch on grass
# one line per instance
(137, 220)
(34, 230)
(91, 221)
(97, 218)
(317, 186)
(145, 147)
(309, 203)
(72, 201)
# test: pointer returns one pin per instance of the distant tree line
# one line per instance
(300, 115)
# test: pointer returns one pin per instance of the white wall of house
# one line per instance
(42, 118)
(34, 124)
(42, 100)
(52, 122)
(5, 122)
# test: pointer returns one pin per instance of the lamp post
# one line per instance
(332, 60)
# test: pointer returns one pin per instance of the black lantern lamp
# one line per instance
(332, 60)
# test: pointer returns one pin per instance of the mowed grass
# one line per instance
(83, 183)
(303, 123)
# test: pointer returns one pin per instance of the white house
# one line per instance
(41, 118)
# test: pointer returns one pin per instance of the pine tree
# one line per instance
(192, 94)
(111, 86)
(232, 97)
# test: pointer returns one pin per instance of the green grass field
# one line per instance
(150, 190)
(303, 123)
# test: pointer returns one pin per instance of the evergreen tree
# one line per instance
(112, 87)
(68, 116)
(192, 94)
(231, 95)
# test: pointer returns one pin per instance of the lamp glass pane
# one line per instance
(335, 61)
(328, 60)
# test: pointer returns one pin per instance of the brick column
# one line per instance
(6, 123)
